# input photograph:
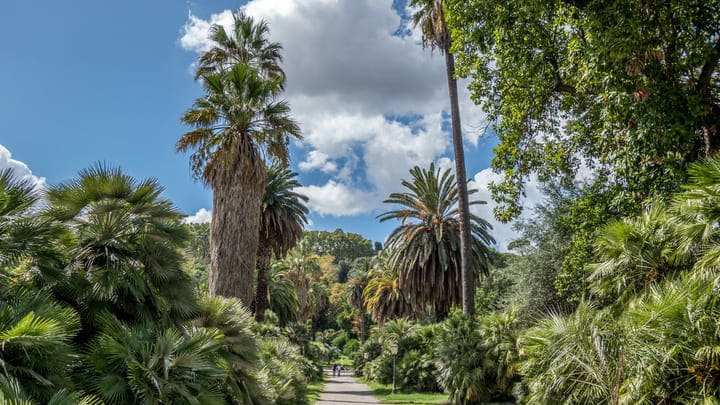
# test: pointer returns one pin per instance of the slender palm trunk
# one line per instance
(468, 275)
(234, 234)
(261, 291)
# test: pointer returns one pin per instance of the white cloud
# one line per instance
(196, 32)
(503, 233)
(334, 198)
(370, 103)
(318, 160)
(200, 217)
(20, 169)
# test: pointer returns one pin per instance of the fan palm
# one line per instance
(696, 211)
(577, 359)
(281, 225)
(26, 237)
(126, 256)
(36, 354)
(282, 296)
(247, 43)
(426, 246)
(674, 342)
(430, 16)
(238, 121)
(141, 364)
(633, 253)
(237, 352)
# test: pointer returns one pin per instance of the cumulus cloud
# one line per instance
(335, 198)
(503, 233)
(318, 160)
(200, 217)
(20, 169)
(370, 102)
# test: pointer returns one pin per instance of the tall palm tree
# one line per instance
(281, 226)
(238, 121)
(426, 247)
(247, 43)
(430, 16)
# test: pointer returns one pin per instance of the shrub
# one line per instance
(340, 340)
(477, 358)
(351, 347)
(416, 371)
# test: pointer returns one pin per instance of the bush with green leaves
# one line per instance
(284, 371)
(351, 347)
(95, 305)
(477, 357)
(340, 340)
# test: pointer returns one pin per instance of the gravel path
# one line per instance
(344, 390)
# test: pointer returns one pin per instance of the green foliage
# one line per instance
(339, 244)
(622, 86)
(197, 255)
(282, 296)
(477, 358)
(351, 347)
(125, 248)
(284, 371)
(425, 247)
(95, 307)
(340, 340)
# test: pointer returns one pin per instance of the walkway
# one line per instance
(344, 390)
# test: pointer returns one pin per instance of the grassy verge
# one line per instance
(384, 394)
(343, 360)
(315, 388)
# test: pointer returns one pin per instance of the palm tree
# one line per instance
(384, 299)
(247, 43)
(126, 249)
(237, 350)
(697, 215)
(281, 295)
(633, 253)
(430, 16)
(36, 340)
(577, 359)
(144, 364)
(281, 226)
(304, 271)
(24, 235)
(238, 121)
(426, 246)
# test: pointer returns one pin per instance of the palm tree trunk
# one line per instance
(261, 291)
(234, 234)
(466, 270)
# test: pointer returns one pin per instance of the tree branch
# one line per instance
(703, 84)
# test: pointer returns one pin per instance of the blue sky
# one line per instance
(88, 81)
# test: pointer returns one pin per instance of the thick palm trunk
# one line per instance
(468, 274)
(234, 235)
(261, 291)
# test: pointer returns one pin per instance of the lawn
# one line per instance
(383, 393)
(315, 388)
(343, 360)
